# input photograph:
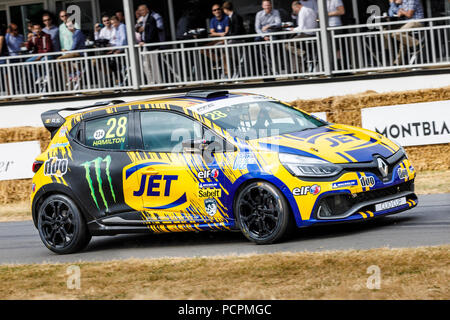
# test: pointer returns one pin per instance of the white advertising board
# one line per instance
(16, 159)
(411, 124)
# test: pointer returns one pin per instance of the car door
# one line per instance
(167, 177)
(100, 153)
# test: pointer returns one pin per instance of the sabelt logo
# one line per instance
(56, 167)
(213, 174)
(97, 166)
(209, 193)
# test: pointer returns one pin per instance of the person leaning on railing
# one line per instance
(409, 10)
(306, 20)
(39, 43)
(14, 40)
(267, 20)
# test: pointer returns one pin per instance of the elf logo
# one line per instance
(213, 174)
(368, 181)
(303, 191)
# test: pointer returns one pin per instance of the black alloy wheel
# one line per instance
(263, 213)
(61, 226)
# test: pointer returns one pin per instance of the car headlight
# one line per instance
(308, 167)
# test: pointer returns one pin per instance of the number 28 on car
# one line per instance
(209, 160)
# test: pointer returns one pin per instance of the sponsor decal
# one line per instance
(341, 139)
(213, 174)
(402, 173)
(344, 184)
(97, 166)
(242, 160)
(368, 181)
(99, 134)
(209, 193)
(108, 141)
(60, 145)
(154, 186)
(302, 191)
(211, 206)
(411, 168)
(210, 185)
(56, 167)
(63, 132)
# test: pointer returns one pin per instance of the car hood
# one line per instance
(333, 143)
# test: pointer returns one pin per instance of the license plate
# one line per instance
(390, 204)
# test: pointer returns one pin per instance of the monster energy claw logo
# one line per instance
(98, 174)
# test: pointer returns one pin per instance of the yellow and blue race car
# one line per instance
(209, 160)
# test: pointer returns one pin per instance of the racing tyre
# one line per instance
(61, 225)
(262, 213)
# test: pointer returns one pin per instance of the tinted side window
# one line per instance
(165, 131)
(108, 133)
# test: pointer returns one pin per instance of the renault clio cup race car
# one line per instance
(209, 160)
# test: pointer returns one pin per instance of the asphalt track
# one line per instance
(426, 225)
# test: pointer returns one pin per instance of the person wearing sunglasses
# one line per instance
(220, 23)
(65, 35)
(14, 40)
(52, 31)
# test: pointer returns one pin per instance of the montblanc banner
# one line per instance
(16, 159)
(411, 124)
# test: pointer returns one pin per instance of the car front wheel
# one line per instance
(263, 213)
(61, 225)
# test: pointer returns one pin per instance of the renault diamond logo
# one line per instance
(383, 167)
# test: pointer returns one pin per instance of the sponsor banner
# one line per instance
(16, 159)
(411, 124)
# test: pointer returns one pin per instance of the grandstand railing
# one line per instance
(357, 48)
(384, 46)
(230, 59)
(73, 72)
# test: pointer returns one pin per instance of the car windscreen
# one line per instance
(264, 118)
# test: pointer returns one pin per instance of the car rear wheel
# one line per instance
(61, 225)
(263, 213)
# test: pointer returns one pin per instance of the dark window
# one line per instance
(108, 133)
(165, 131)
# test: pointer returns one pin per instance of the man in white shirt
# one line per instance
(107, 31)
(306, 20)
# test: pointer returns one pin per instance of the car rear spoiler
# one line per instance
(52, 120)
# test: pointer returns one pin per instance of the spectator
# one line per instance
(159, 25)
(51, 30)
(39, 43)
(148, 30)
(267, 20)
(78, 41)
(119, 36)
(107, 30)
(410, 10)
(14, 40)
(312, 4)
(185, 24)
(394, 6)
(139, 23)
(3, 47)
(306, 19)
(119, 14)
(220, 23)
(65, 36)
(335, 10)
(236, 21)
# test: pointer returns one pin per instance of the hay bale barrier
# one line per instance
(341, 109)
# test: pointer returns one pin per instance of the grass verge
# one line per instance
(427, 182)
(412, 273)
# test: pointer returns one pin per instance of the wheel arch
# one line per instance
(245, 180)
(51, 189)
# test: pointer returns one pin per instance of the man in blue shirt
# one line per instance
(411, 10)
(119, 34)
(220, 23)
(14, 40)
(52, 31)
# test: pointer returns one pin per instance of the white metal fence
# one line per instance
(392, 45)
(228, 59)
(65, 73)
(285, 55)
